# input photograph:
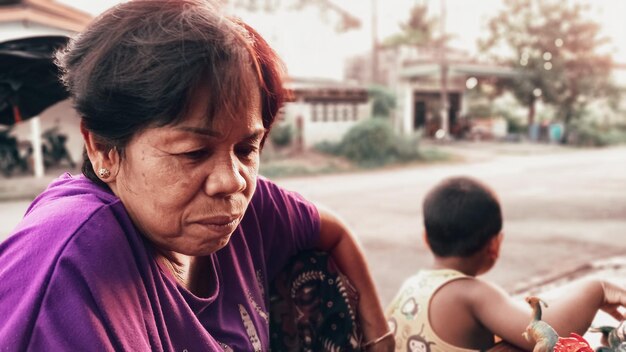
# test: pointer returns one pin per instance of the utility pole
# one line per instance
(375, 46)
(443, 64)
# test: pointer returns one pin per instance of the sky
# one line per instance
(310, 47)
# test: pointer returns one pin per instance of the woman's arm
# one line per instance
(338, 241)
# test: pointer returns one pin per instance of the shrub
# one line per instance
(282, 135)
(383, 101)
(369, 142)
(583, 133)
(373, 143)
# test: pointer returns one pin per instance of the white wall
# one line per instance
(317, 130)
(65, 117)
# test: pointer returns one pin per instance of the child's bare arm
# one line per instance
(572, 311)
(499, 313)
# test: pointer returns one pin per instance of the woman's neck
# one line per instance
(189, 271)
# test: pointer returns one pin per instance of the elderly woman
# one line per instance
(169, 239)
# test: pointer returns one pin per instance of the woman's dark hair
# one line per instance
(137, 65)
(461, 215)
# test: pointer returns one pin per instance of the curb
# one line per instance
(611, 266)
(24, 188)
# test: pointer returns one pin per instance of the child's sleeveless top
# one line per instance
(407, 314)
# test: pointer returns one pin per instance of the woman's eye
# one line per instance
(196, 154)
(246, 151)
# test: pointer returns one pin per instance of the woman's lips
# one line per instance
(220, 222)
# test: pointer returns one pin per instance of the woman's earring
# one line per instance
(104, 172)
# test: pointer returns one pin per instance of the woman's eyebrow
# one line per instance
(199, 130)
(256, 135)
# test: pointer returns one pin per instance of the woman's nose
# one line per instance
(225, 179)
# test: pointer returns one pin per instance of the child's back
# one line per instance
(441, 326)
(448, 309)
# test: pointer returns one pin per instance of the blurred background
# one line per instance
(389, 97)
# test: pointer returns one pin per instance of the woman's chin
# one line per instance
(204, 249)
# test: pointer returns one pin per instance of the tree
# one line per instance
(556, 52)
(419, 31)
(416, 31)
(346, 20)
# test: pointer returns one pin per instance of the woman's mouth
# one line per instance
(220, 223)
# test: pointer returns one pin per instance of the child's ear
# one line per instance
(493, 249)
(425, 239)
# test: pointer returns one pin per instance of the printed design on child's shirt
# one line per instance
(417, 343)
(410, 308)
(393, 325)
(250, 329)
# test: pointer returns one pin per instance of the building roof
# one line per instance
(44, 12)
(326, 90)
(462, 69)
(308, 83)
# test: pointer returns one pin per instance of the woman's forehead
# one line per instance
(216, 117)
(206, 109)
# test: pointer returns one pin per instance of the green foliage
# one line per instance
(373, 143)
(383, 101)
(345, 21)
(329, 148)
(478, 105)
(282, 135)
(513, 123)
(589, 134)
(554, 48)
(417, 30)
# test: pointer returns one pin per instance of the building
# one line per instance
(33, 18)
(30, 18)
(414, 73)
(324, 110)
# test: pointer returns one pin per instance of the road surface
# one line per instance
(562, 209)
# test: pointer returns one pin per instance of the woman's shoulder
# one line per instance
(72, 188)
(69, 206)
(270, 194)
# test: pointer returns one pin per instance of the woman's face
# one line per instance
(187, 186)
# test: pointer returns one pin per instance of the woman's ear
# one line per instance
(104, 159)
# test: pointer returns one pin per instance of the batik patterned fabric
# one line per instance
(313, 307)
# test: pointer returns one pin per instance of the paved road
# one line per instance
(562, 208)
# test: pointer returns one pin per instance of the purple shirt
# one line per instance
(76, 275)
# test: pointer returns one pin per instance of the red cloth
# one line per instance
(573, 343)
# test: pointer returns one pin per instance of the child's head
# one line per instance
(461, 216)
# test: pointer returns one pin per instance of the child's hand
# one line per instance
(614, 298)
